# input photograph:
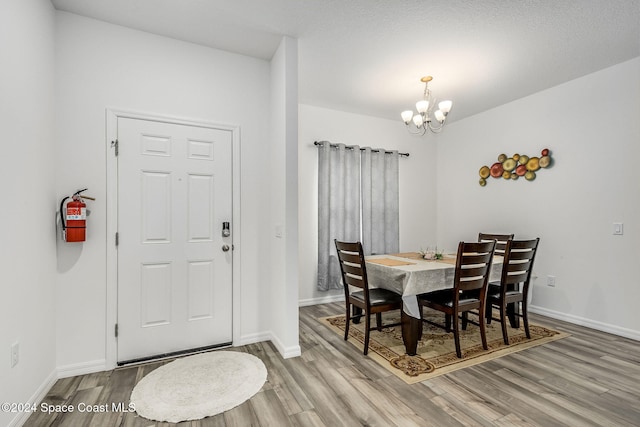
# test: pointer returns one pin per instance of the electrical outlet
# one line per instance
(15, 354)
(551, 281)
(618, 229)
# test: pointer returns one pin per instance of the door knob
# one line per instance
(225, 248)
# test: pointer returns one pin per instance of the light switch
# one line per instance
(618, 228)
(278, 230)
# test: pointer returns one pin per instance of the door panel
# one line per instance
(174, 280)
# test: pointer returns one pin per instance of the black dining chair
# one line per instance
(370, 301)
(501, 240)
(513, 287)
(473, 265)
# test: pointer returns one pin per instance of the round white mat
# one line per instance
(198, 386)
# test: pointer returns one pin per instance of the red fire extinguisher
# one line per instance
(74, 218)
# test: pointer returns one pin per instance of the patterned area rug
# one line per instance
(436, 350)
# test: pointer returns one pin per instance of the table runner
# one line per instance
(389, 262)
(410, 255)
(449, 259)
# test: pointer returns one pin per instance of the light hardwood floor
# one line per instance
(588, 379)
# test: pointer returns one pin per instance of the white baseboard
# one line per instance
(252, 339)
(290, 352)
(82, 368)
(285, 352)
(593, 324)
(37, 397)
(321, 300)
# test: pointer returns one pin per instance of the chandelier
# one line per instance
(423, 121)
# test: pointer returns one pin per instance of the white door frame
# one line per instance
(112, 115)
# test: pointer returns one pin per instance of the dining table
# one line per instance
(410, 275)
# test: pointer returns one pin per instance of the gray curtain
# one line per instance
(380, 212)
(338, 207)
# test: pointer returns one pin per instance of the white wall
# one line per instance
(417, 183)
(282, 296)
(99, 65)
(27, 172)
(592, 127)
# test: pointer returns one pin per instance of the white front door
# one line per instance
(174, 264)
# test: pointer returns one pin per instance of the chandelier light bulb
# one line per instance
(439, 116)
(407, 116)
(445, 106)
(417, 120)
(422, 106)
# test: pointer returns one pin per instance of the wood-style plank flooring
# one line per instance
(588, 379)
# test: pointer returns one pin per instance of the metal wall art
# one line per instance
(516, 166)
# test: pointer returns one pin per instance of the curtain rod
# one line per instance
(351, 147)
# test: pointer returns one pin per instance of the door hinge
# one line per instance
(116, 330)
(117, 238)
(114, 144)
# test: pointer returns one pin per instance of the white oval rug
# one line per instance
(198, 386)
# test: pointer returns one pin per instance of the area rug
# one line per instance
(436, 350)
(198, 386)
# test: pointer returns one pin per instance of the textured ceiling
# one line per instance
(367, 56)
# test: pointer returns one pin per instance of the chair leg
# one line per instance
(525, 318)
(465, 320)
(356, 314)
(483, 332)
(447, 322)
(367, 327)
(346, 324)
(503, 322)
(379, 321)
(488, 311)
(456, 336)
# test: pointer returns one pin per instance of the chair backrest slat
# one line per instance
(471, 284)
(351, 269)
(473, 258)
(475, 271)
(512, 279)
(352, 258)
(501, 240)
(517, 254)
(518, 266)
(518, 261)
(473, 264)
(352, 266)
(354, 281)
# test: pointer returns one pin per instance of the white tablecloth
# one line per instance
(419, 277)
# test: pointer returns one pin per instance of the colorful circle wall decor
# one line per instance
(516, 166)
